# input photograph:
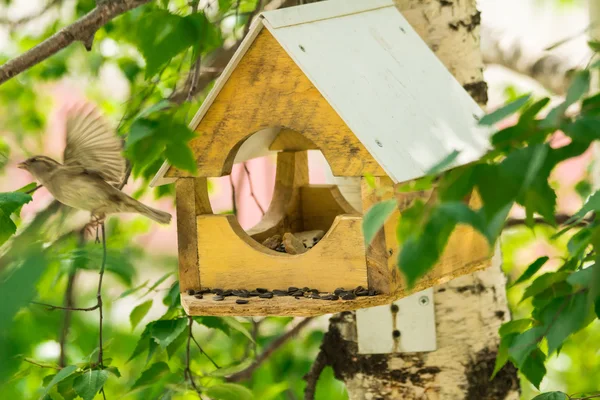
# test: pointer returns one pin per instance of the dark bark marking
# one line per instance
(478, 373)
(469, 24)
(478, 91)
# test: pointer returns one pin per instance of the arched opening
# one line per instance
(283, 188)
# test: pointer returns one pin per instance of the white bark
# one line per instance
(470, 309)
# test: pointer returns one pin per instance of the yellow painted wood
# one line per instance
(285, 212)
(290, 140)
(232, 259)
(321, 204)
(267, 89)
(189, 278)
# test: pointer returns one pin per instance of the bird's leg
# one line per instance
(95, 222)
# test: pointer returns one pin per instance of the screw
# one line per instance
(378, 143)
(423, 300)
(395, 308)
(396, 333)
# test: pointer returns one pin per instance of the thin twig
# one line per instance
(312, 377)
(51, 307)
(187, 372)
(33, 190)
(82, 30)
(205, 354)
(273, 346)
(23, 20)
(64, 332)
(251, 16)
(40, 365)
(99, 295)
(262, 210)
(561, 219)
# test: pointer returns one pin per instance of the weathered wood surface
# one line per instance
(187, 245)
(321, 204)
(232, 259)
(289, 140)
(285, 211)
(267, 89)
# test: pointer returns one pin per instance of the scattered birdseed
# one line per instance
(267, 295)
(262, 290)
(190, 292)
(305, 289)
(327, 297)
(198, 296)
(315, 291)
(217, 291)
(335, 297)
(228, 293)
(348, 296)
(203, 291)
(254, 293)
(363, 292)
(241, 301)
(280, 292)
(338, 291)
(293, 289)
(218, 298)
(315, 296)
(358, 289)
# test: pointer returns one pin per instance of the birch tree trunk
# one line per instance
(470, 309)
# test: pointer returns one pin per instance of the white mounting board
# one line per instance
(414, 320)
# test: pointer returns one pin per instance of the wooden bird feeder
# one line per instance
(352, 79)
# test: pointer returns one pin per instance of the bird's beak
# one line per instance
(22, 165)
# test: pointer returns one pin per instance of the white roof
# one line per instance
(381, 78)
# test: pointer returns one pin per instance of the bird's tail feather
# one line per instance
(156, 215)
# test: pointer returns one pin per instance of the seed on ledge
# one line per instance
(297, 297)
(190, 292)
(203, 291)
(348, 296)
(262, 290)
(241, 301)
(293, 289)
(373, 292)
(338, 291)
(315, 296)
(298, 293)
(254, 293)
(305, 289)
(218, 298)
(315, 291)
(267, 295)
(327, 297)
(358, 289)
(363, 292)
(198, 296)
(335, 297)
(228, 293)
(244, 295)
(280, 292)
(217, 291)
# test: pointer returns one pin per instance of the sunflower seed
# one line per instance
(267, 295)
(218, 298)
(262, 290)
(254, 293)
(338, 291)
(241, 301)
(198, 296)
(190, 292)
(293, 289)
(363, 292)
(280, 292)
(348, 296)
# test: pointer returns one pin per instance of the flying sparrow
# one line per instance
(92, 167)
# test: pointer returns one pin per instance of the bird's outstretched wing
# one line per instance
(93, 145)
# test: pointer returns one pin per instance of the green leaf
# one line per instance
(446, 163)
(531, 270)
(233, 323)
(552, 396)
(166, 331)
(543, 282)
(158, 282)
(502, 354)
(90, 383)
(18, 288)
(376, 217)
(562, 317)
(176, 344)
(580, 85)
(151, 375)
(9, 203)
(581, 277)
(139, 312)
(181, 156)
(501, 113)
(229, 391)
(62, 374)
(226, 371)
(214, 323)
(592, 204)
(515, 326)
(533, 368)
(524, 343)
(132, 290)
(140, 129)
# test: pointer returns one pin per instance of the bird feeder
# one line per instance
(352, 79)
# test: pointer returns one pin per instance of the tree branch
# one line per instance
(23, 20)
(561, 219)
(252, 194)
(187, 372)
(273, 346)
(551, 70)
(64, 333)
(312, 377)
(82, 30)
